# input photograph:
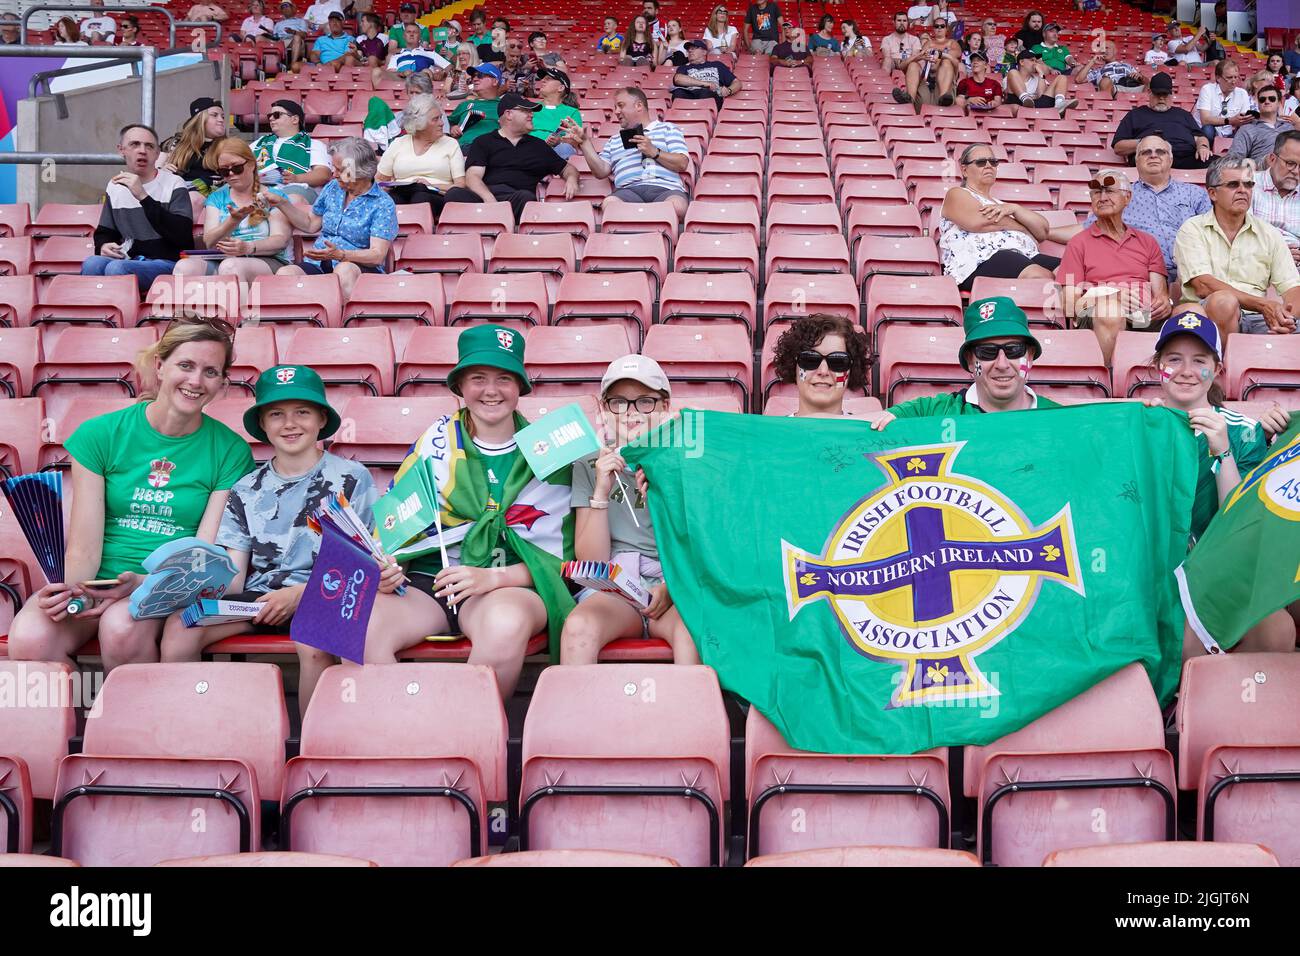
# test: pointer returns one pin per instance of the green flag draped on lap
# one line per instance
(1247, 564)
(942, 582)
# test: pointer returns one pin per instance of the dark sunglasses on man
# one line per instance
(988, 351)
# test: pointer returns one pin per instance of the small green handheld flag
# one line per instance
(557, 439)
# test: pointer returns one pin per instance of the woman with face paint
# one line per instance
(1188, 359)
(825, 356)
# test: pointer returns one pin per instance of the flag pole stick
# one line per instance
(626, 500)
(442, 545)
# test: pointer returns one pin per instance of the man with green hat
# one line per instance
(999, 351)
(264, 527)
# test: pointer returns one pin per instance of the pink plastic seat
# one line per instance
(30, 860)
(1092, 771)
(268, 860)
(709, 358)
(626, 757)
(398, 764)
(519, 300)
(422, 367)
(571, 360)
(1183, 853)
(1238, 747)
(379, 431)
(862, 856)
(568, 858)
(166, 747)
(354, 361)
(846, 800)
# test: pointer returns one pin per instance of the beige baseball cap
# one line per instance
(638, 368)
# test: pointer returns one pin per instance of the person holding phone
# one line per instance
(645, 159)
(1222, 106)
(148, 474)
(423, 164)
(147, 217)
(554, 93)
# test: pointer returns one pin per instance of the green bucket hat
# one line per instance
(994, 318)
(289, 383)
(495, 346)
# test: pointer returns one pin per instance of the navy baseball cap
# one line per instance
(1191, 323)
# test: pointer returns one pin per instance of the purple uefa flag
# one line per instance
(335, 607)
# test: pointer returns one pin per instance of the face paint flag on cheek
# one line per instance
(1026, 364)
(979, 368)
(1166, 373)
(1206, 375)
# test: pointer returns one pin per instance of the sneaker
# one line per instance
(945, 100)
(1067, 105)
(900, 95)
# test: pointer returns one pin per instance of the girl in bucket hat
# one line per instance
(264, 526)
(505, 531)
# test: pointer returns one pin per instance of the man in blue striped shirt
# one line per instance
(649, 167)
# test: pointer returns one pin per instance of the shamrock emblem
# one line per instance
(916, 464)
(808, 579)
(1051, 552)
(937, 674)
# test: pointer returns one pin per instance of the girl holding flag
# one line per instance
(504, 532)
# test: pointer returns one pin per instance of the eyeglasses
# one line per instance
(1235, 184)
(984, 161)
(234, 169)
(645, 404)
(989, 351)
(810, 360)
(1291, 164)
(1153, 152)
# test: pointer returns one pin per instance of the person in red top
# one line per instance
(1112, 274)
(981, 90)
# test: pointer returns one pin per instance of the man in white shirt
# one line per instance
(318, 14)
(98, 29)
(1222, 105)
(1186, 49)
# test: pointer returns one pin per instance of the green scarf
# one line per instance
(293, 156)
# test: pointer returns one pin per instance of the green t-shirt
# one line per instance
(398, 35)
(1053, 56)
(156, 488)
(547, 120)
(953, 403)
(1249, 445)
(487, 124)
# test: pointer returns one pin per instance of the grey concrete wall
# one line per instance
(95, 114)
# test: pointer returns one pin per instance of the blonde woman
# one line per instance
(458, 83)
(237, 222)
(118, 461)
(422, 165)
(185, 152)
(719, 33)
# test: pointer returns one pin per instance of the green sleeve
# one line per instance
(1250, 448)
(235, 460)
(921, 407)
(459, 112)
(89, 444)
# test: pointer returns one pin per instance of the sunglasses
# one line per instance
(810, 360)
(277, 114)
(233, 170)
(1235, 184)
(645, 404)
(1267, 99)
(989, 352)
(985, 161)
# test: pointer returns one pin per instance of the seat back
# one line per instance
(1183, 853)
(36, 723)
(567, 858)
(519, 300)
(357, 360)
(868, 856)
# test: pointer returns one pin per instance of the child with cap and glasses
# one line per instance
(503, 531)
(264, 526)
(613, 523)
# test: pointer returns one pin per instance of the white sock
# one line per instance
(1060, 101)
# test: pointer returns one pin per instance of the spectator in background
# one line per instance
(1029, 84)
(1191, 148)
(635, 397)
(292, 30)
(1159, 204)
(1186, 49)
(355, 219)
(1227, 258)
(255, 240)
(507, 164)
(896, 50)
(458, 83)
(1030, 33)
(422, 165)
(1292, 103)
(413, 57)
(335, 48)
(406, 14)
(10, 31)
(187, 150)
(647, 167)
(1010, 58)
(1089, 6)
(702, 77)
(1107, 74)
(478, 31)
(478, 116)
(371, 45)
(98, 29)
(936, 65)
(1291, 57)
(825, 357)
(539, 56)
(147, 219)
(994, 45)
(792, 52)
(257, 25)
(317, 14)
(290, 159)
(612, 41)
(980, 91)
(447, 39)
(639, 50)
(1055, 55)
(672, 49)
(554, 95)
(1112, 274)
(720, 35)
(1255, 140)
(1158, 55)
(1276, 200)
(207, 13)
(1222, 105)
(762, 26)
(972, 44)
(853, 42)
(825, 41)
(1275, 67)
(981, 236)
(67, 33)
(128, 32)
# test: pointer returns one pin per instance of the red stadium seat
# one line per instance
(486, 219)
(17, 299)
(207, 296)
(717, 252)
(789, 296)
(429, 355)
(722, 217)
(20, 439)
(16, 809)
(413, 219)
(255, 351)
(1166, 854)
(567, 858)
(172, 741)
(705, 359)
(551, 254)
(1037, 298)
(1131, 372)
(846, 799)
(622, 755)
(51, 453)
(15, 217)
(89, 363)
(807, 253)
(352, 361)
(1071, 366)
(449, 256)
(404, 780)
(16, 256)
(398, 302)
(576, 219)
(1260, 367)
(33, 739)
(894, 256)
(1102, 751)
(707, 297)
(784, 218)
(61, 255)
(864, 219)
(1238, 740)
(64, 219)
(268, 860)
(868, 856)
(919, 361)
(296, 300)
(87, 300)
(378, 431)
(645, 252)
(874, 193)
(619, 216)
(587, 298)
(571, 360)
(727, 188)
(518, 300)
(912, 299)
(229, 410)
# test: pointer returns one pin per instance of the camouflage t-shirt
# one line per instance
(266, 515)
